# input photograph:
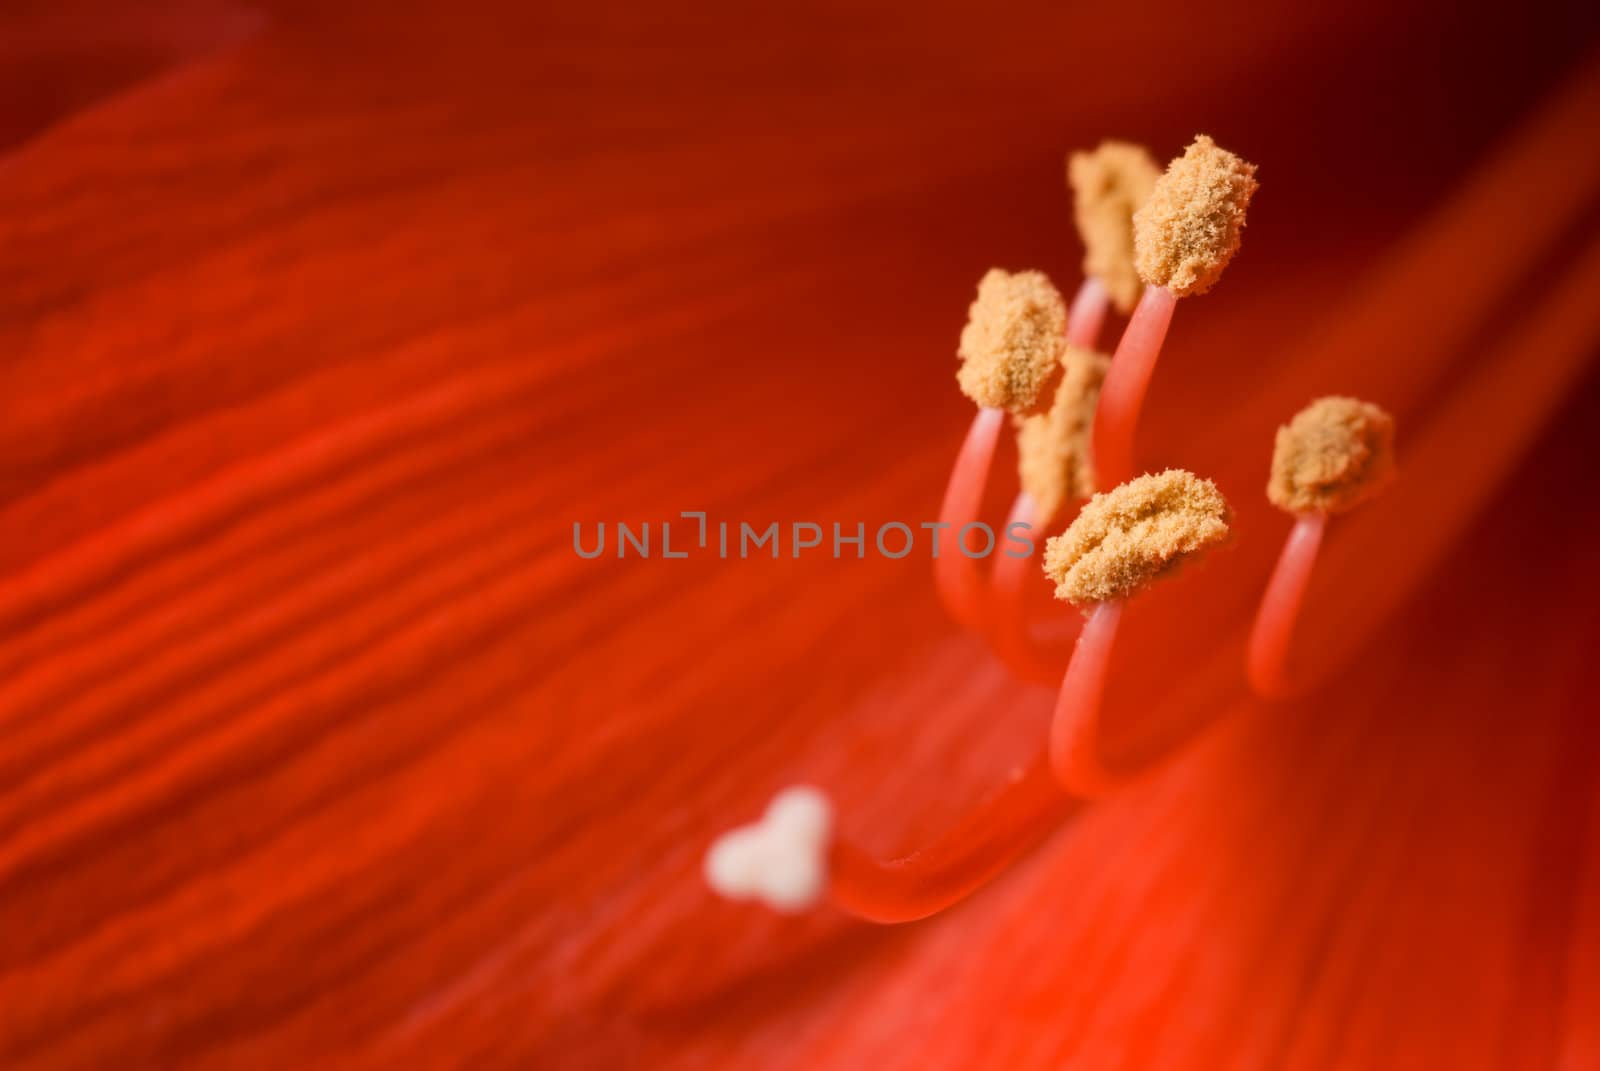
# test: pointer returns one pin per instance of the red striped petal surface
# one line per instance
(321, 327)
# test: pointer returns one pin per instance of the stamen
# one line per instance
(1011, 347)
(956, 575)
(780, 860)
(1335, 454)
(1184, 236)
(1088, 314)
(1109, 185)
(1134, 534)
(1267, 656)
(1188, 230)
(1122, 541)
(1143, 529)
(1055, 468)
(982, 845)
(1053, 450)
(1127, 380)
(1516, 388)
(1075, 727)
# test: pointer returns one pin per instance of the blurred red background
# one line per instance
(320, 325)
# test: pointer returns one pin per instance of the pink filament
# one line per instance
(1122, 395)
(1267, 658)
(1012, 640)
(985, 843)
(954, 574)
(1075, 729)
(1087, 314)
(1010, 823)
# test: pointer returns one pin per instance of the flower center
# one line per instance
(1075, 413)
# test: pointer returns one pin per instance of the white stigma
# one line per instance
(781, 860)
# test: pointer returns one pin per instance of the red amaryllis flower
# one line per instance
(322, 746)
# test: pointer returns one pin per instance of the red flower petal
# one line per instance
(58, 57)
(320, 743)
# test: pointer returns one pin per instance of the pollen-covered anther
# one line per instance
(1054, 462)
(1188, 230)
(1125, 538)
(1335, 454)
(1108, 187)
(781, 860)
(1011, 347)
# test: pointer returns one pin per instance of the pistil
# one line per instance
(985, 843)
(1013, 641)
